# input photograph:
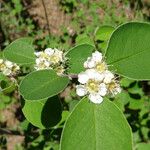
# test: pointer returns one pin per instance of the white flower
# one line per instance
(97, 81)
(108, 76)
(50, 59)
(8, 68)
(91, 84)
(114, 87)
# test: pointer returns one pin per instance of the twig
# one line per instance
(9, 132)
(46, 16)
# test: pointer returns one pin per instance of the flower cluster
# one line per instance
(8, 68)
(97, 81)
(50, 59)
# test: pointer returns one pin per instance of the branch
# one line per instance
(46, 16)
(9, 132)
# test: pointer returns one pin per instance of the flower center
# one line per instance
(111, 86)
(101, 67)
(43, 55)
(92, 86)
(2, 66)
(54, 59)
(59, 69)
(42, 65)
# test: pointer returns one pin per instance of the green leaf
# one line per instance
(28, 40)
(136, 104)
(6, 85)
(128, 50)
(96, 127)
(143, 146)
(103, 33)
(42, 84)
(43, 113)
(20, 51)
(83, 38)
(125, 82)
(77, 56)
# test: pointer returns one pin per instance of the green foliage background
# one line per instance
(86, 17)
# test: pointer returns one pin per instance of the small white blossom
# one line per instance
(50, 59)
(114, 88)
(8, 68)
(97, 81)
(91, 84)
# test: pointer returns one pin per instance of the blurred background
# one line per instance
(63, 24)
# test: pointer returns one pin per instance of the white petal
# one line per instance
(7, 72)
(97, 56)
(37, 53)
(108, 77)
(9, 64)
(102, 89)
(17, 67)
(93, 74)
(38, 61)
(85, 64)
(91, 64)
(49, 51)
(81, 90)
(83, 77)
(95, 98)
(117, 90)
(1, 61)
(47, 64)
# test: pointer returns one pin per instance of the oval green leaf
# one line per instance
(96, 127)
(42, 84)
(43, 113)
(20, 51)
(103, 33)
(77, 56)
(128, 50)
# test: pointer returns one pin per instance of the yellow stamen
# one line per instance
(100, 67)
(93, 85)
(54, 59)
